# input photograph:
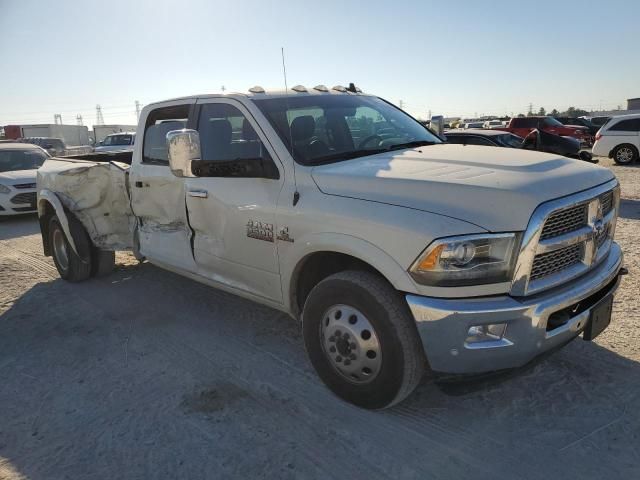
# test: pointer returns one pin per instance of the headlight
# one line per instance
(467, 260)
(4, 189)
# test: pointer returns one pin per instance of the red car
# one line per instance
(522, 126)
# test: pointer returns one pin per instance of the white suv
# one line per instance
(619, 139)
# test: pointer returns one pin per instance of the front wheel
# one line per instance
(625, 154)
(362, 339)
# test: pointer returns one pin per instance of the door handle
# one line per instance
(138, 185)
(198, 193)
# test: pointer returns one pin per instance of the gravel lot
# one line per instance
(145, 374)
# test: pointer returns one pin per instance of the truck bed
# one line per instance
(95, 189)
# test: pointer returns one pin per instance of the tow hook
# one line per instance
(623, 271)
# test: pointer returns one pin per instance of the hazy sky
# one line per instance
(451, 57)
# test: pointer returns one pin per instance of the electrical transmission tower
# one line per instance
(79, 119)
(99, 117)
(57, 119)
(137, 110)
(401, 104)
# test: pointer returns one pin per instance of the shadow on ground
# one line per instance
(151, 374)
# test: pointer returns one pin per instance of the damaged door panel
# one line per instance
(96, 193)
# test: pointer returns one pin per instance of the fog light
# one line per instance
(486, 333)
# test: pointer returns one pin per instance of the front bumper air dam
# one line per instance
(443, 323)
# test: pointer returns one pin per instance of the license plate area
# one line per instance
(599, 319)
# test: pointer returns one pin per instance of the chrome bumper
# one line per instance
(443, 323)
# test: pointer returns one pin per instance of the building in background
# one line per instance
(72, 135)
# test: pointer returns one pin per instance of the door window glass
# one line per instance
(226, 134)
(160, 122)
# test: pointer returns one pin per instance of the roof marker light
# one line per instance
(321, 88)
(339, 88)
(299, 88)
(256, 89)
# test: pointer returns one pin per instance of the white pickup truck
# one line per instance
(400, 254)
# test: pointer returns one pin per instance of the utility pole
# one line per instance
(57, 119)
(99, 117)
(223, 88)
(530, 112)
(79, 119)
(429, 114)
(401, 104)
(137, 110)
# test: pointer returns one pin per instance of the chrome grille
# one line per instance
(568, 237)
(606, 201)
(549, 263)
(565, 221)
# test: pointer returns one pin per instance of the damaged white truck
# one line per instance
(399, 253)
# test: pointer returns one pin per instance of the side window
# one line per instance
(479, 141)
(160, 122)
(107, 141)
(226, 134)
(455, 139)
(632, 125)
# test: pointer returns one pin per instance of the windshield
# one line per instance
(118, 140)
(510, 140)
(330, 128)
(11, 160)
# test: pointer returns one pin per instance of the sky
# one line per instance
(460, 58)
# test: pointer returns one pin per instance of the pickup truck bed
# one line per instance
(94, 187)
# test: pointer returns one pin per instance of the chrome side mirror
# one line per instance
(183, 148)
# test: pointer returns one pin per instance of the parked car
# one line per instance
(488, 138)
(536, 140)
(18, 166)
(619, 139)
(598, 121)
(492, 124)
(473, 124)
(522, 126)
(57, 146)
(117, 141)
(395, 252)
(579, 122)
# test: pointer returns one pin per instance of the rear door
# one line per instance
(157, 196)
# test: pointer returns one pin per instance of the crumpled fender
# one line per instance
(47, 196)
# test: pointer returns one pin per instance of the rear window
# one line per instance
(631, 125)
(524, 123)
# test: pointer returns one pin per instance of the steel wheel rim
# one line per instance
(351, 344)
(60, 249)
(624, 155)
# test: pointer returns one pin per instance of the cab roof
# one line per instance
(18, 146)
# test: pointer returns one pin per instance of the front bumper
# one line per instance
(443, 323)
(17, 202)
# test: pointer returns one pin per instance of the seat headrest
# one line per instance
(303, 128)
(248, 133)
(220, 131)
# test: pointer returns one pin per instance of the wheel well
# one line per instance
(314, 268)
(48, 212)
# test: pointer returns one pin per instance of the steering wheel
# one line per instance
(368, 140)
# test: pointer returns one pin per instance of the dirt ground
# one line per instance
(147, 375)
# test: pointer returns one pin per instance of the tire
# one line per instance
(338, 313)
(71, 266)
(102, 262)
(625, 154)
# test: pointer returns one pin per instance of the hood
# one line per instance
(495, 188)
(18, 176)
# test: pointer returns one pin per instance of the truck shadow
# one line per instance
(102, 369)
(630, 209)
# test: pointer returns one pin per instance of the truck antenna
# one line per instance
(296, 194)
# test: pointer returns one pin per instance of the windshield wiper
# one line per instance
(347, 155)
(416, 143)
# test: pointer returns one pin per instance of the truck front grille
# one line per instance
(556, 261)
(570, 235)
(565, 221)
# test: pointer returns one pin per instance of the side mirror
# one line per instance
(183, 147)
